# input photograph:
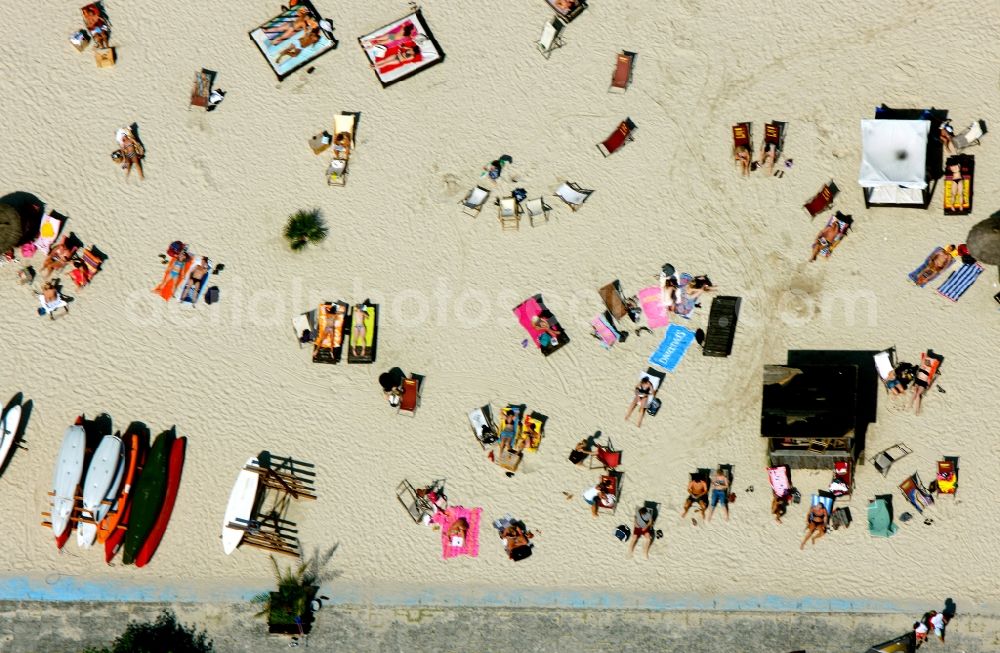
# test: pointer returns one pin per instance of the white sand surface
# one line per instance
(234, 381)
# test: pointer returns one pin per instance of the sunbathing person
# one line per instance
(359, 332)
(398, 55)
(826, 238)
(894, 384)
(342, 145)
(515, 535)
(544, 322)
(96, 25)
(330, 335)
(458, 531)
(195, 279)
(406, 31)
(57, 259)
(131, 151)
(779, 506)
(286, 29)
(954, 174)
(720, 494)
(816, 523)
(922, 380)
(946, 135)
(768, 156)
(564, 6)
(743, 156)
(697, 493)
(508, 429)
(937, 262)
(581, 451)
(643, 391)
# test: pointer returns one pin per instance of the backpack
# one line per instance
(623, 532)
(654, 406)
(212, 295)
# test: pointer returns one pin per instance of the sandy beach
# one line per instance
(233, 379)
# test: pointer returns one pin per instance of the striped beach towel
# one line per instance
(959, 281)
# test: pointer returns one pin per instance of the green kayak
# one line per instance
(147, 496)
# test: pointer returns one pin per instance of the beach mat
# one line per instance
(959, 281)
(445, 518)
(651, 300)
(675, 344)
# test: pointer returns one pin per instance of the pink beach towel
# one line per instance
(446, 518)
(778, 478)
(603, 332)
(525, 311)
(652, 305)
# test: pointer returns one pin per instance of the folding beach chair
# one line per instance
(305, 327)
(615, 300)
(474, 201)
(536, 209)
(573, 195)
(618, 138)
(621, 78)
(842, 484)
(202, 88)
(50, 308)
(86, 264)
(606, 457)
(742, 138)
(822, 200)
(780, 480)
(551, 38)
(508, 213)
(613, 481)
(883, 460)
(774, 137)
(971, 136)
(411, 395)
(885, 364)
(916, 493)
(418, 508)
(946, 481)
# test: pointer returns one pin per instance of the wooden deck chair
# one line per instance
(551, 38)
(823, 200)
(537, 210)
(884, 459)
(721, 331)
(621, 77)
(474, 201)
(774, 137)
(417, 507)
(573, 195)
(971, 136)
(946, 481)
(508, 213)
(741, 138)
(614, 299)
(411, 395)
(618, 138)
(606, 457)
(202, 88)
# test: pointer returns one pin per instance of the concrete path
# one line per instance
(54, 627)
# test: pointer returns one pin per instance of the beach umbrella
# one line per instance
(10, 227)
(984, 240)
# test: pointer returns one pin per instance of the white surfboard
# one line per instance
(66, 479)
(100, 486)
(241, 501)
(9, 424)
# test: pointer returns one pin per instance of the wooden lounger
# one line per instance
(618, 138)
(621, 78)
(721, 326)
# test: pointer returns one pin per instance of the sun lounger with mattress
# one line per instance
(367, 315)
(742, 141)
(965, 164)
(842, 484)
(529, 313)
(532, 430)
(86, 264)
(822, 200)
(329, 342)
(48, 231)
(780, 479)
(202, 88)
(343, 123)
(618, 138)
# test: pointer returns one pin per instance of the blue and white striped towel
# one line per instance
(959, 281)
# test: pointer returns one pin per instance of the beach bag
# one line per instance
(796, 497)
(577, 457)
(520, 552)
(212, 295)
(654, 406)
(623, 532)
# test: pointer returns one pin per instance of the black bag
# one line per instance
(796, 497)
(520, 552)
(623, 532)
(577, 457)
(654, 406)
(212, 295)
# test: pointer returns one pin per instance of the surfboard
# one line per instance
(66, 479)
(117, 512)
(9, 424)
(240, 505)
(86, 527)
(174, 470)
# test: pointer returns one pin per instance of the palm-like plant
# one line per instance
(296, 587)
(305, 227)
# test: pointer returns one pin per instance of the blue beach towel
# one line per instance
(675, 344)
(915, 275)
(959, 281)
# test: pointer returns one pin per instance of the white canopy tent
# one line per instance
(894, 162)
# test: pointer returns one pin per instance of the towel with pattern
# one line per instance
(651, 300)
(456, 545)
(960, 280)
(925, 273)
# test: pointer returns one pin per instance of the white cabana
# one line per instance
(894, 162)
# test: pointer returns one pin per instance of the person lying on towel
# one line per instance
(816, 524)
(824, 242)
(938, 261)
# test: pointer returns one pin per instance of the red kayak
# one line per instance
(115, 538)
(175, 466)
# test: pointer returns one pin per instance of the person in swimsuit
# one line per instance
(508, 428)
(768, 156)
(922, 380)
(779, 506)
(515, 535)
(816, 523)
(57, 259)
(334, 322)
(177, 266)
(359, 332)
(542, 323)
(131, 151)
(743, 156)
(457, 531)
(697, 493)
(826, 238)
(195, 280)
(643, 391)
(642, 527)
(954, 174)
(407, 51)
(403, 32)
(720, 494)
(286, 29)
(894, 384)
(938, 261)
(96, 25)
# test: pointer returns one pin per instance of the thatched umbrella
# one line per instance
(10, 228)
(984, 240)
